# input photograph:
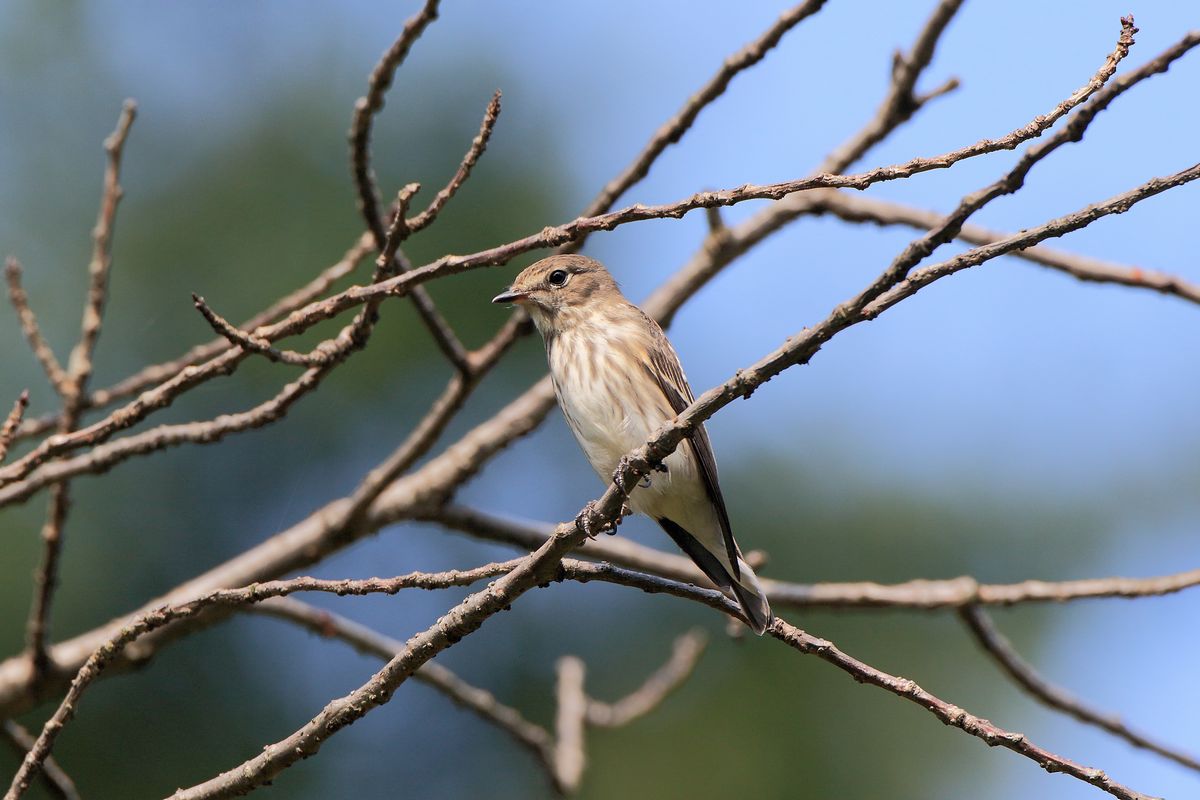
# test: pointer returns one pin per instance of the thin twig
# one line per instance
(246, 339)
(479, 701)
(156, 374)
(901, 100)
(13, 421)
(1054, 228)
(673, 129)
(946, 229)
(980, 624)
(469, 160)
(780, 629)
(853, 208)
(74, 387)
(685, 654)
(29, 326)
(79, 364)
(921, 594)
(55, 779)
(365, 109)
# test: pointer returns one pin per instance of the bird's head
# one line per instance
(555, 287)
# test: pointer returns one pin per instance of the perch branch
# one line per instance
(783, 631)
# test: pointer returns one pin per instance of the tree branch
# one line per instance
(74, 386)
(673, 129)
(55, 779)
(994, 643)
(12, 422)
(30, 327)
(901, 100)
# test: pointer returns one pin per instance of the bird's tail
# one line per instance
(744, 588)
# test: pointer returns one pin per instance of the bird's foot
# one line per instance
(627, 463)
(611, 530)
(624, 465)
(583, 520)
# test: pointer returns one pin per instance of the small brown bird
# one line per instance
(618, 380)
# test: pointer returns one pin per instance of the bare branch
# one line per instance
(73, 387)
(980, 624)
(673, 129)
(469, 160)
(13, 421)
(248, 341)
(29, 326)
(227, 598)
(368, 106)
(901, 100)
(475, 609)
(948, 713)
(922, 594)
(569, 756)
(884, 212)
(157, 373)
(990, 734)
(364, 179)
(959, 592)
(365, 640)
(1054, 228)
(685, 654)
(79, 365)
(55, 779)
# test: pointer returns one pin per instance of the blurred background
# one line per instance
(1007, 423)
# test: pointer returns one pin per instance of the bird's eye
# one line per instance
(558, 278)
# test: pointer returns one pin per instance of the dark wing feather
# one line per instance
(665, 369)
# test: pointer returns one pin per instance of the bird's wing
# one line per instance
(664, 367)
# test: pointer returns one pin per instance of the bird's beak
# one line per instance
(510, 297)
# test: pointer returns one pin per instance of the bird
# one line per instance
(618, 379)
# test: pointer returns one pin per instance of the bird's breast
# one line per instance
(610, 403)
